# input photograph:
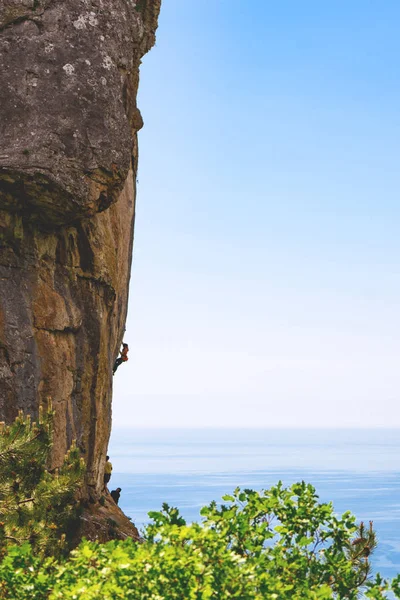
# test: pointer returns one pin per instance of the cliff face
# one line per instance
(69, 72)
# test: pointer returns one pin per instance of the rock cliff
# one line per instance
(69, 72)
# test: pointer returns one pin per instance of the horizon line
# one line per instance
(260, 428)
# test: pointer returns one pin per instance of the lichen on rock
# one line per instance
(66, 143)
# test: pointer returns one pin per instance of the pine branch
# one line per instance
(36, 505)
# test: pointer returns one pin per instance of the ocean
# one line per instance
(358, 470)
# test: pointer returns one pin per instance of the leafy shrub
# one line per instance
(278, 544)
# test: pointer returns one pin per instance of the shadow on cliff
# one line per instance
(104, 521)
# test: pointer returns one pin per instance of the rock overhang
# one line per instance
(65, 127)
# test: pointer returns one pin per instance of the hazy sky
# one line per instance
(266, 280)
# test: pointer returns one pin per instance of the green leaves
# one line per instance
(228, 498)
(279, 543)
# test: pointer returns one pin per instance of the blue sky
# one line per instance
(265, 285)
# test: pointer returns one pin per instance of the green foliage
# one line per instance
(36, 505)
(279, 544)
(25, 575)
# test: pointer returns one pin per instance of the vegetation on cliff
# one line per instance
(280, 543)
(37, 505)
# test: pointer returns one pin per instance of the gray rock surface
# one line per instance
(65, 130)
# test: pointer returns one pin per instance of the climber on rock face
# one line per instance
(122, 358)
(115, 494)
(107, 471)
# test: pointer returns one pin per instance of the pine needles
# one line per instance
(37, 505)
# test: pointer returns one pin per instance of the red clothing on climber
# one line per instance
(122, 358)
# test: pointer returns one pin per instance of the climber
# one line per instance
(107, 471)
(115, 494)
(122, 358)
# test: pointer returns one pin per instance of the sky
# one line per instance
(265, 286)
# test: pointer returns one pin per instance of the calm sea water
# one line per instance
(359, 470)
